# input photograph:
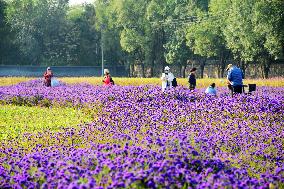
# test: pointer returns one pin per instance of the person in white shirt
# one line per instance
(167, 79)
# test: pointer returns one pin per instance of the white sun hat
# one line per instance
(106, 71)
(167, 68)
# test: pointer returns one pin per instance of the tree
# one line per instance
(9, 53)
(168, 19)
(205, 36)
(106, 22)
(254, 31)
(136, 32)
(80, 19)
(41, 31)
(268, 20)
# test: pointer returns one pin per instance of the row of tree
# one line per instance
(143, 32)
(48, 32)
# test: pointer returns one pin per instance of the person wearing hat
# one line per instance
(107, 78)
(47, 77)
(192, 79)
(235, 79)
(167, 78)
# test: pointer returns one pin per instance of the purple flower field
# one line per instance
(143, 138)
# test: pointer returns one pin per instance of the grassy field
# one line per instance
(201, 83)
(17, 120)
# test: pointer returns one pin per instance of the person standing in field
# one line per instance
(211, 90)
(47, 77)
(235, 79)
(192, 79)
(167, 79)
(107, 78)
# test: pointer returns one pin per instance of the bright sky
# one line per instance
(75, 2)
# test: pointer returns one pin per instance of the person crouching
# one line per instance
(211, 90)
(107, 78)
(47, 77)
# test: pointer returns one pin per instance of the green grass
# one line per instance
(17, 120)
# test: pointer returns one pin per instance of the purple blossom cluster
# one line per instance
(144, 138)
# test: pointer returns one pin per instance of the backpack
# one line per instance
(111, 80)
(174, 82)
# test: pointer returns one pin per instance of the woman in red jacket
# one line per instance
(47, 77)
(107, 78)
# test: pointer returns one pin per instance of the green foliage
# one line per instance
(268, 21)
(205, 36)
(38, 26)
(80, 19)
(9, 51)
(17, 120)
(254, 29)
(151, 33)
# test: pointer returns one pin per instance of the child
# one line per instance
(211, 90)
(192, 79)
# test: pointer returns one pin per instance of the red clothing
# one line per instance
(107, 80)
(47, 78)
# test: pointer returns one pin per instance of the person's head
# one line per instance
(229, 67)
(48, 69)
(192, 70)
(213, 85)
(106, 71)
(167, 69)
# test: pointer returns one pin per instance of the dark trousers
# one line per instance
(192, 86)
(238, 89)
(47, 83)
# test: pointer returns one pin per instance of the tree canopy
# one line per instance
(151, 33)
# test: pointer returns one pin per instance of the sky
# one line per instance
(75, 2)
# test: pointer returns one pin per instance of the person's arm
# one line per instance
(229, 77)
(163, 78)
(171, 77)
(45, 75)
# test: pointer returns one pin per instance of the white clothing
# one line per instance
(167, 80)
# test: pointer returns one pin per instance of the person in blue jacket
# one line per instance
(235, 79)
(211, 90)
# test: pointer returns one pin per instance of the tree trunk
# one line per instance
(266, 63)
(223, 68)
(143, 69)
(201, 70)
(266, 69)
(244, 67)
(183, 68)
(202, 66)
(222, 64)
(180, 70)
(152, 68)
